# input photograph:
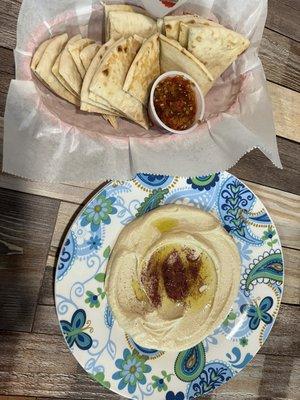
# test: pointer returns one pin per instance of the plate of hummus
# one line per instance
(166, 287)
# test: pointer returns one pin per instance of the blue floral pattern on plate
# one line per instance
(111, 357)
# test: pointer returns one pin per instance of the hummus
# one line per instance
(172, 277)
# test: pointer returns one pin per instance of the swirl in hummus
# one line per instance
(172, 277)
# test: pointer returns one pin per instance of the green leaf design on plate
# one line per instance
(100, 378)
(106, 252)
(100, 277)
(152, 201)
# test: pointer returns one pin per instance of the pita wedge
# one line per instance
(66, 71)
(75, 49)
(55, 71)
(38, 54)
(88, 53)
(172, 24)
(184, 28)
(216, 46)
(174, 57)
(113, 7)
(110, 77)
(101, 106)
(144, 70)
(44, 68)
(112, 120)
(125, 23)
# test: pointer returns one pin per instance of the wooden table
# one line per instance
(34, 360)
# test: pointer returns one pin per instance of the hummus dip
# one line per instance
(172, 277)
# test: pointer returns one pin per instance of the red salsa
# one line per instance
(175, 102)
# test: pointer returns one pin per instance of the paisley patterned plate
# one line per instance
(104, 350)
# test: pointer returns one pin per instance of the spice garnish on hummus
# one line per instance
(172, 277)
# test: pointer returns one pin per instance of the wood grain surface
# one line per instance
(35, 363)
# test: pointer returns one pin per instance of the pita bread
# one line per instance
(110, 77)
(101, 106)
(172, 24)
(113, 7)
(38, 54)
(44, 68)
(65, 70)
(216, 46)
(144, 70)
(160, 26)
(125, 23)
(184, 29)
(88, 53)
(174, 57)
(75, 49)
(55, 71)
(112, 120)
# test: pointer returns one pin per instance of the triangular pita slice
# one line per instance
(88, 53)
(38, 54)
(172, 24)
(184, 29)
(66, 72)
(55, 71)
(144, 70)
(113, 7)
(110, 77)
(216, 47)
(174, 57)
(112, 120)
(102, 106)
(44, 68)
(125, 23)
(75, 49)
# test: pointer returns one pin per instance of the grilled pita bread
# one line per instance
(75, 49)
(55, 71)
(144, 70)
(174, 57)
(126, 23)
(66, 71)
(88, 53)
(38, 54)
(101, 106)
(184, 29)
(44, 68)
(216, 46)
(110, 77)
(172, 24)
(113, 7)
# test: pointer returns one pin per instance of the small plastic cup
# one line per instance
(200, 103)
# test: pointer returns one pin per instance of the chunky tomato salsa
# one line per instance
(175, 102)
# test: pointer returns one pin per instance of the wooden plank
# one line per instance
(286, 109)
(9, 11)
(284, 209)
(46, 296)
(283, 17)
(26, 223)
(282, 340)
(17, 398)
(255, 167)
(7, 72)
(46, 321)
(44, 367)
(291, 292)
(280, 58)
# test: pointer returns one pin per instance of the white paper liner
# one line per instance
(47, 139)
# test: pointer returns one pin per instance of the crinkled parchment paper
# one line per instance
(47, 139)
